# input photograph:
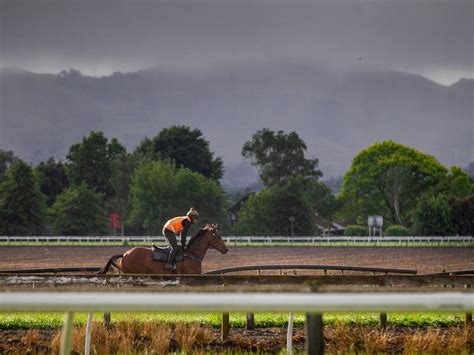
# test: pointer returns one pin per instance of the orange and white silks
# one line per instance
(175, 224)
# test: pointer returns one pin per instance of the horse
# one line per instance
(138, 260)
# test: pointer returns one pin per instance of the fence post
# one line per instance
(87, 345)
(66, 339)
(314, 331)
(289, 334)
(383, 320)
(314, 334)
(106, 319)
(225, 326)
(250, 321)
(468, 315)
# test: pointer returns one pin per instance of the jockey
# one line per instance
(173, 227)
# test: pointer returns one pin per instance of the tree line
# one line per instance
(174, 170)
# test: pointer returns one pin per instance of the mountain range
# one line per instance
(337, 113)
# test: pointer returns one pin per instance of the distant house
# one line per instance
(329, 228)
(233, 211)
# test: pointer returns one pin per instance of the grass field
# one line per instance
(262, 320)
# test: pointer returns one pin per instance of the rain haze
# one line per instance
(343, 74)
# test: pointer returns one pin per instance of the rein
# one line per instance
(196, 237)
(195, 258)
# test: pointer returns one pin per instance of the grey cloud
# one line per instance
(417, 36)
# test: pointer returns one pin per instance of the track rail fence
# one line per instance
(312, 304)
(257, 268)
(248, 239)
(325, 268)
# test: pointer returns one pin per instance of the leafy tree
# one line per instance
(445, 209)
(187, 147)
(122, 166)
(456, 184)
(160, 191)
(462, 210)
(22, 205)
(78, 211)
(279, 157)
(267, 212)
(91, 162)
(322, 200)
(432, 216)
(53, 178)
(122, 171)
(115, 149)
(387, 178)
(6, 159)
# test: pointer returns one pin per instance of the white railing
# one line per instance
(235, 302)
(249, 239)
(70, 302)
(348, 239)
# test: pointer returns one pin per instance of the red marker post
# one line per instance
(114, 221)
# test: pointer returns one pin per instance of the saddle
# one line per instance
(162, 253)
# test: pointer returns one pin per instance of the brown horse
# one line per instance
(139, 259)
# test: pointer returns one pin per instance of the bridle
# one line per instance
(212, 238)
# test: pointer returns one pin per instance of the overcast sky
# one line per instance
(432, 38)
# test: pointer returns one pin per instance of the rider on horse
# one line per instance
(173, 227)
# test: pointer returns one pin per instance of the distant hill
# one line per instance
(240, 177)
(337, 114)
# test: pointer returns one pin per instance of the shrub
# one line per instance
(355, 230)
(397, 230)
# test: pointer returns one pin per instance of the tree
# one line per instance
(6, 159)
(53, 178)
(322, 200)
(456, 184)
(387, 178)
(91, 162)
(445, 209)
(279, 157)
(78, 211)
(432, 216)
(122, 171)
(22, 205)
(462, 210)
(186, 147)
(267, 212)
(160, 191)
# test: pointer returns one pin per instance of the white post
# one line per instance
(289, 335)
(66, 340)
(87, 345)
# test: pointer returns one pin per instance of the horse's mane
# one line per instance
(200, 233)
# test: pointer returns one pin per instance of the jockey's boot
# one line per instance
(170, 264)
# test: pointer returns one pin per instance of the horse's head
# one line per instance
(215, 239)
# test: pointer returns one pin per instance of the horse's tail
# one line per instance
(106, 267)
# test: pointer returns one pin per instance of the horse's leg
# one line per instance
(189, 266)
(118, 266)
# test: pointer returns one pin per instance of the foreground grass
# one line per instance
(55, 320)
(132, 337)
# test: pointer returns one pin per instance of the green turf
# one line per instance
(55, 320)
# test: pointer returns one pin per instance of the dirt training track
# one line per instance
(423, 259)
